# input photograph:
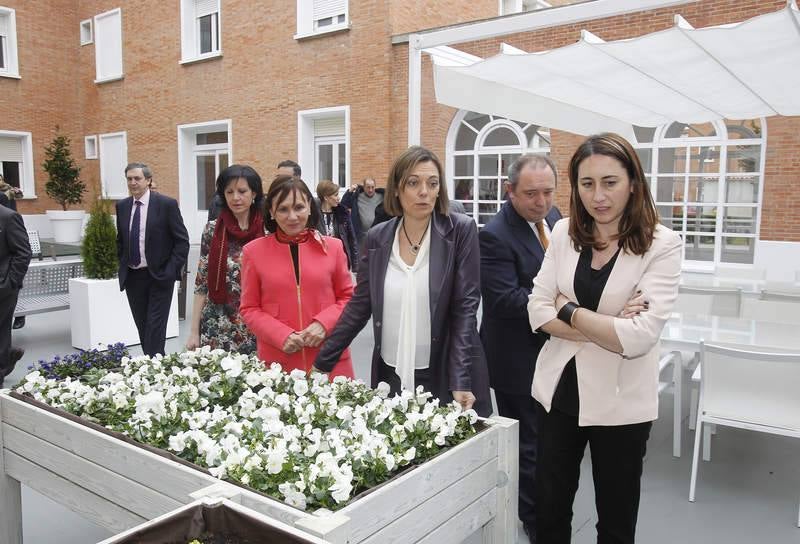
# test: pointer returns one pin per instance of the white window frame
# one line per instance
(10, 61)
(478, 150)
(114, 76)
(307, 26)
(104, 182)
(190, 34)
(87, 32)
(306, 141)
(335, 142)
(722, 141)
(26, 182)
(90, 147)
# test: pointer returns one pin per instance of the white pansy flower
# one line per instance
(232, 366)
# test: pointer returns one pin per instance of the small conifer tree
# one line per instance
(99, 248)
(64, 184)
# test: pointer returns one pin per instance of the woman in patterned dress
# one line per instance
(215, 316)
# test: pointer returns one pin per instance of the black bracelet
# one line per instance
(567, 311)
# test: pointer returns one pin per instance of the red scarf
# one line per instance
(303, 236)
(227, 226)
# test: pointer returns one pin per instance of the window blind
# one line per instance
(10, 149)
(329, 8)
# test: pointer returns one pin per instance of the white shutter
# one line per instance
(205, 7)
(108, 44)
(10, 149)
(329, 8)
(113, 159)
(329, 126)
(3, 25)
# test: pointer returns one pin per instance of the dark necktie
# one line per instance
(542, 236)
(136, 256)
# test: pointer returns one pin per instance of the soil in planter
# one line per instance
(212, 538)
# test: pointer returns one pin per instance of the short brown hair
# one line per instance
(280, 188)
(398, 175)
(326, 188)
(639, 218)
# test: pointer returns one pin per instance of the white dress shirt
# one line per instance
(406, 330)
(145, 200)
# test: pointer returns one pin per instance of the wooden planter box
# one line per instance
(471, 487)
(219, 517)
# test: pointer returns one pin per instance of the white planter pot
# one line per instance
(100, 315)
(67, 225)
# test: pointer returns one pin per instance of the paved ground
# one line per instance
(748, 493)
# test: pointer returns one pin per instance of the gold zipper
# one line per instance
(300, 308)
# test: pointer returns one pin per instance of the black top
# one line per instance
(589, 285)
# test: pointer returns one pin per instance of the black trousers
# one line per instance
(150, 301)
(8, 301)
(387, 374)
(617, 458)
(523, 409)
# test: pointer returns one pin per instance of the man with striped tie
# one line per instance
(152, 245)
(513, 244)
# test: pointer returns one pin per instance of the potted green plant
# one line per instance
(105, 317)
(65, 186)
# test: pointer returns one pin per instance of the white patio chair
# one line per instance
(674, 361)
(748, 389)
(773, 306)
(744, 273)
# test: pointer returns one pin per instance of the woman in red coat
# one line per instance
(295, 282)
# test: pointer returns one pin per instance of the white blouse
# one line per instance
(406, 330)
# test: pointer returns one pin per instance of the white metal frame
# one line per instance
(504, 26)
(723, 142)
(334, 142)
(778, 371)
(190, 34)
(26, 182)
(10, 60)
(306, 141)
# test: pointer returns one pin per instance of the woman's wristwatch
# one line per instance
(567, 312)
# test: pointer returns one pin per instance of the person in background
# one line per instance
(604, 292)
(295, 282)
(15, 256)
(418, 277)
(362, 200)
(11, 193)
(335, 220)
(215, 314)
(513, 244)
(152, 247)
(285, 168)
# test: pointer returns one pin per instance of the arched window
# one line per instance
(707, 181)
(480, 148)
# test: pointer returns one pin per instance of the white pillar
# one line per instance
(414, 89)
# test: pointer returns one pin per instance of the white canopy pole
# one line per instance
(414, 90)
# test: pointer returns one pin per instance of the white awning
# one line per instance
(735, 71)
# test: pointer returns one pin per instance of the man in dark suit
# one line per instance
(513, 244)
(152, 245)
(15, 255)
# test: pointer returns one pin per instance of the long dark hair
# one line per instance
(639, 219)
(279, 190)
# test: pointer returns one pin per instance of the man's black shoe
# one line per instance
(19, 322)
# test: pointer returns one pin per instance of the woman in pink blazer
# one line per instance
(295, 282)
(604, 292)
